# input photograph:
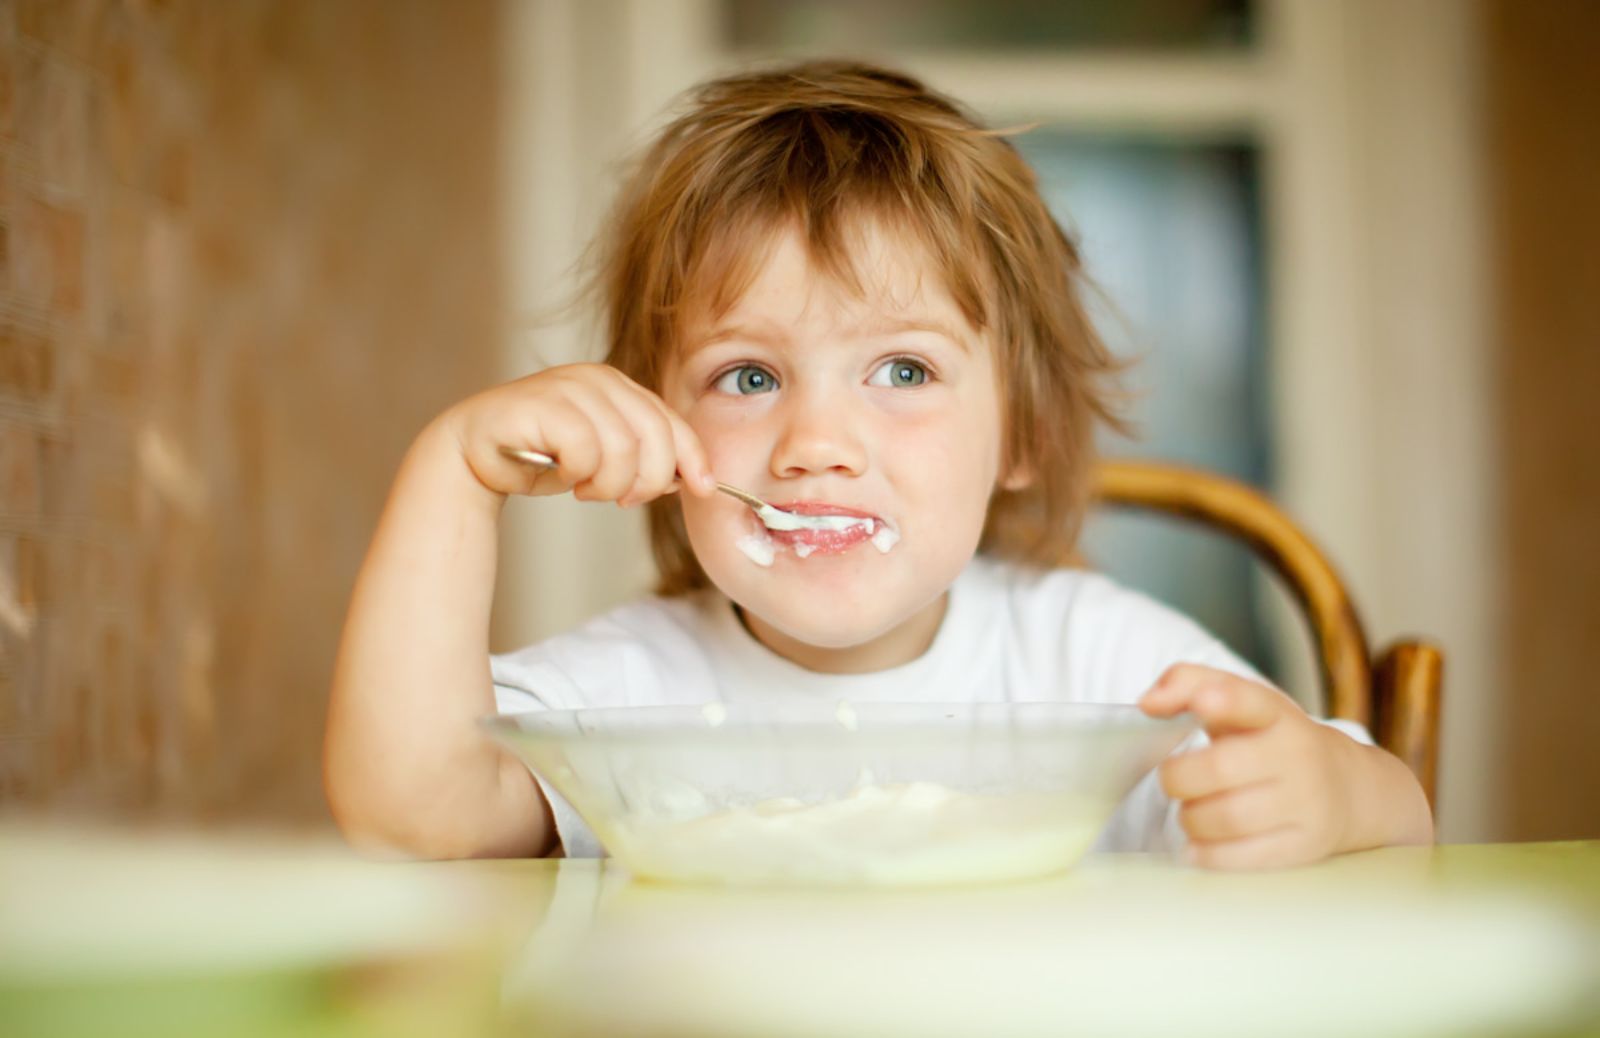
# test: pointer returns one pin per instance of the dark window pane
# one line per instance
(1170, 234)
(853, 25)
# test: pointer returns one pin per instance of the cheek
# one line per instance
(957, 455)
(712, 524)
(697, 514)
(728, 437)
(983, 438)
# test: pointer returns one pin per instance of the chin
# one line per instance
(841, 612)
(834, 630)
(828, 602)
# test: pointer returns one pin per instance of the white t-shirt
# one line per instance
(1010, 634)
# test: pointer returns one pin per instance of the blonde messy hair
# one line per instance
(824, 147)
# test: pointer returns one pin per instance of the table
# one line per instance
(190, 935)
(1403, 941)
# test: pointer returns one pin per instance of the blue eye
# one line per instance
(901, 372)
(746, 380)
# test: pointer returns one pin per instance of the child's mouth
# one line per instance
(857, 526)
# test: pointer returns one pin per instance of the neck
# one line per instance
(893, 648)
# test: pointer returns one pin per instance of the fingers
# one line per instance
(1229, 764)
(680, 450)
(1235, 813)
(606, 464)
(613, 439)
(657, 456)
(566, 430)
(1225, 703)
(1259, 795)
(692, 460)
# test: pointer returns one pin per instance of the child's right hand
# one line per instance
(405, 765)
(613, 439)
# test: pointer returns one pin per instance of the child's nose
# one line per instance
(817, 436)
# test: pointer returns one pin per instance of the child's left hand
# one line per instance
(1275, 788)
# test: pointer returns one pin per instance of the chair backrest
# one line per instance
(1395, 695)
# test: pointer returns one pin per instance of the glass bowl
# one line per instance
(891, 794)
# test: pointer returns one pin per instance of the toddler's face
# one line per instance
(819, 402)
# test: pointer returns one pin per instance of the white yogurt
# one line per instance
(758, 547)
(761, 549)
(915, 833)
(778, 519)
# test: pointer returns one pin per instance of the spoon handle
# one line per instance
(538, 458)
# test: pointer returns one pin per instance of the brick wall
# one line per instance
(246, 250)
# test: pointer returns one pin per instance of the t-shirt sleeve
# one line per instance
(529, 681)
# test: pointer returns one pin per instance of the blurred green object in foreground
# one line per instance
(127, 935)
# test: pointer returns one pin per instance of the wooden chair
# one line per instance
(1395, 694)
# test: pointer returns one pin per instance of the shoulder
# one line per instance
(1079, 598)
(1106, 641)
(622, 657)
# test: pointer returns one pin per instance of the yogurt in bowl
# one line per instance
(878, 794)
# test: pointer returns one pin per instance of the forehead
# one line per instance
(878, 279)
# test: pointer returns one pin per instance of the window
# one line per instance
(1169, 231)
(1006, 25)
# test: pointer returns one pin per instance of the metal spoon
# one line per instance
(773, 518)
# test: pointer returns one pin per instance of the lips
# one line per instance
(824, 542)
(819, 508)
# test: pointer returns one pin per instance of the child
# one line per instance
(830, 287)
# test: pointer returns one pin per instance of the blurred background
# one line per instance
(248, 249)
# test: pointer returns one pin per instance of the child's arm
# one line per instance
(405, 767)
(1275, 788)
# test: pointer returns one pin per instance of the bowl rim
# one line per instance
(872, 720)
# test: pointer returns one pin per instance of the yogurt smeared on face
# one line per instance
(844, 532)
(811, 533)
(758, 548)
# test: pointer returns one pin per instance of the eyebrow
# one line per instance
(865, 331)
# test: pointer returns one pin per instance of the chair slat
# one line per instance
(1241, 511)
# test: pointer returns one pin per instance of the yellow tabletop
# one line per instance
(132, 935)
(1405, 941)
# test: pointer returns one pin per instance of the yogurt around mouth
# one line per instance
(758, 548)
(807, 535)
(777, 519)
